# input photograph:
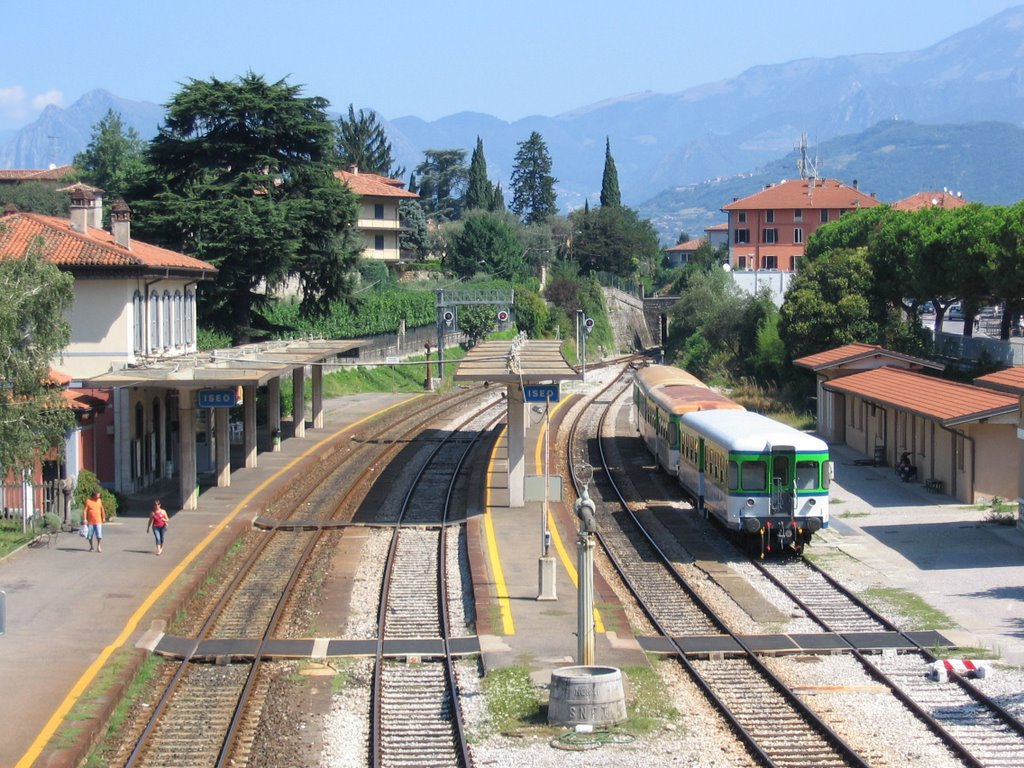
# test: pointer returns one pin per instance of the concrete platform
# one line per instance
(69, 610)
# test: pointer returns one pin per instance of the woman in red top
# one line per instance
(94, 516)
(158, 522)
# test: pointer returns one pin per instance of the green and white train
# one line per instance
(763, 480)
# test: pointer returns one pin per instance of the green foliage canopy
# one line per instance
(33, 331)
(114, 159)
(242, 177)
(363, 142)
(533, 186)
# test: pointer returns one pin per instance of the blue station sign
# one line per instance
(218, 398)
(540, 393)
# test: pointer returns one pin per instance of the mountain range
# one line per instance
(946, 115)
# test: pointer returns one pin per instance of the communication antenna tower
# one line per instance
(807, 167)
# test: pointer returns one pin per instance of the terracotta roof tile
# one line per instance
(723, 227)
(849, 353)
(372, 185)
(799, 193)
(948, 402)
(687, 247)
(929, 200)
(96, 248)
(1007, 380)
(36, 174)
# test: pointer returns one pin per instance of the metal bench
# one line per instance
(933, 484)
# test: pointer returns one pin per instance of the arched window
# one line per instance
(168, 327)
(178, 337)
(190, 318)
(138, 323)
(154, 321)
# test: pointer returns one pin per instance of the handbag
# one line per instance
(83, 530)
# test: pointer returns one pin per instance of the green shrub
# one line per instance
(87, 483)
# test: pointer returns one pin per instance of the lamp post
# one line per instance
(546, 564)
(585, 509)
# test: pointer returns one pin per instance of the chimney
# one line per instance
(96, 219)
(81, 209)
(121, 223)
(353, 169)
(855, 184)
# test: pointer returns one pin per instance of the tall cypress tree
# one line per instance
(610, 180)
(478, 192)
(497, 199)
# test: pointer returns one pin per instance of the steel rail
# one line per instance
(844, 750)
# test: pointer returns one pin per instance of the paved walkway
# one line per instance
(69, 609)
(935, 547)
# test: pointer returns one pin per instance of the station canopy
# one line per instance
(519, 359)
(248, 364)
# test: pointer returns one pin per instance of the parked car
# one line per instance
(955, 311)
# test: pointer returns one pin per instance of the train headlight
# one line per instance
(750, 502)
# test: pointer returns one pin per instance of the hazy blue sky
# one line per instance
(509, 59)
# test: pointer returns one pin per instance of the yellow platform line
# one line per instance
(556, 539)
(83, 683)
(508, 626)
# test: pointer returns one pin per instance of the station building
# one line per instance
(153, 411)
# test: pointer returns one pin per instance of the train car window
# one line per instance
(734, 476)
(754, 475)
(806, 475)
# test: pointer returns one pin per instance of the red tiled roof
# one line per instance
(36, 174)
(800, 193)
(929, 200)
(723, 227)
(82, 400)
(688, 246)
(1007, 380)
(849, 353)
(948, 402)
(372, 185)
(96, 248)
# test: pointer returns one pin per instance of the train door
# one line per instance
(783, 489)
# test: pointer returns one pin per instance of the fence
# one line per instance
(23, 501)
(953, 346)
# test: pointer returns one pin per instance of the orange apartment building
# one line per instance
(767, 230)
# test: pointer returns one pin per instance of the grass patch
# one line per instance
(967, 652)
(12, 536)
(647, 707)
(848, 513)
(917, 614)
(512, 700)
(1000, 511)
(515, 707)
(97, 757)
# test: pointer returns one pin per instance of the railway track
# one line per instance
(770, 719)
(208, 714)
(416, 717)
(974, 726)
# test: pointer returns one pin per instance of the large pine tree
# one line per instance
(362, 142)
(610, 179)
(242, 176)
(533, 186)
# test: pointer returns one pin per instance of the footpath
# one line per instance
(69, 610)
(900, 535)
